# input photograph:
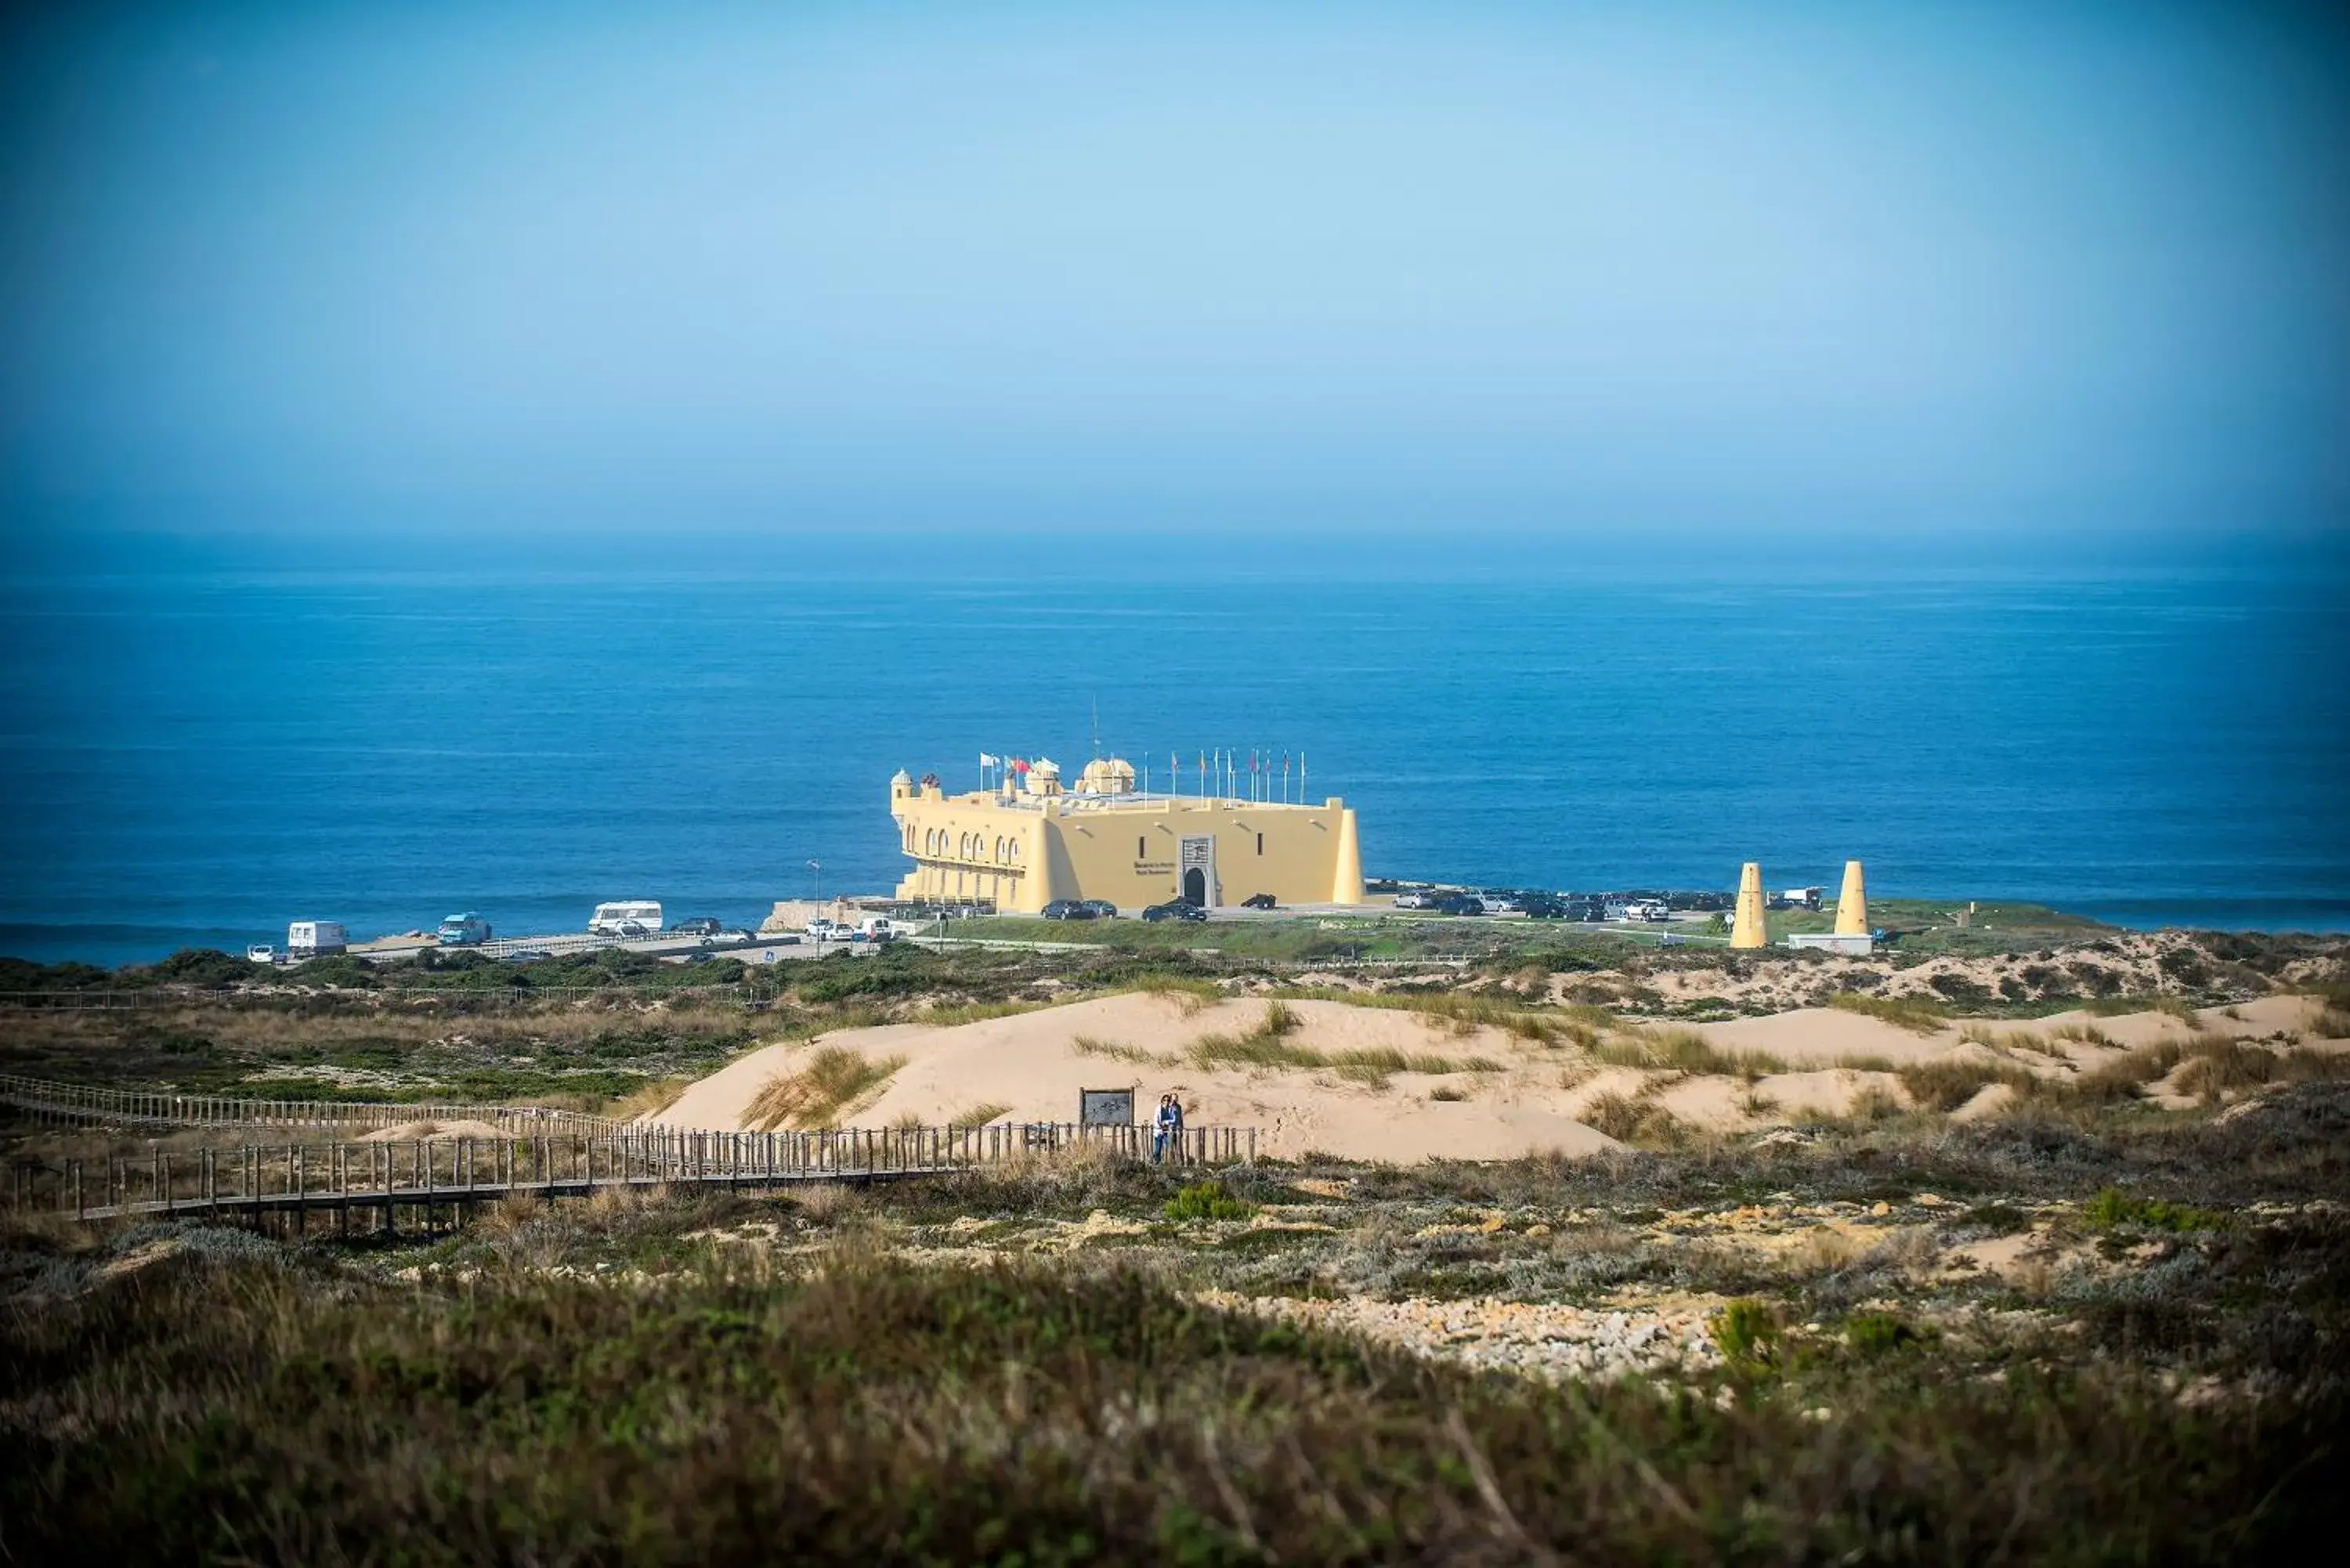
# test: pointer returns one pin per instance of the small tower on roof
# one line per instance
(1106, 775)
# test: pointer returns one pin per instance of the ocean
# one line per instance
(197, 756)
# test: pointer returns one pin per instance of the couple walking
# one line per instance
(1168, 1130)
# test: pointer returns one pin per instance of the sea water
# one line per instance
(199, 756)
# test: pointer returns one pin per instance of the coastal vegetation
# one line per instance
(1881, 1342)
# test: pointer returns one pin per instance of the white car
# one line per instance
(819, 930)
(260, 952)
(1415, 901)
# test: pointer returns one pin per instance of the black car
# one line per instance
(1177, 911)
(1544, 909)
(1258, 901)
(1460, 904)
(1103, 909)
(696, 926)
(1068, 909)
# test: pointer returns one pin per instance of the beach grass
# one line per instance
(833, 1080)
(1912, 1013)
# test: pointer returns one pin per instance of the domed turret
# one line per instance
(1042, 778)
(1106, 775)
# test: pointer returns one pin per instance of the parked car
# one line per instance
(1177, 909)
(529, 955)
(262, 953)
(1258, 901)
(696, 926)
(1103, 909)
(819, 930)
(1460, 904)
(631, 929)
(1544, 909)
(1068, 909)
(1415, 901)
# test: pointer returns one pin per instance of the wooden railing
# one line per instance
(422, 1173)
(85, 1102)
(555, 1153)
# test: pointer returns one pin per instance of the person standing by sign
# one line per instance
(1161, 1129)
(1175, 1125)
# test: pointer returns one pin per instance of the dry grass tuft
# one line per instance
(1638, 1120)
(2217, 1066)
(1912, 1013)
(826, 1202)
(509, 1213)
(946, 1015)
(651, 1100)
(2122, 1078)
(1191, 996)
(1087, 1045)
(1683, 1050)
(835, 1079)
(980, 1115)
(1944, 1085)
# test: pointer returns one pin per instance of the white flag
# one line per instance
(987, 761)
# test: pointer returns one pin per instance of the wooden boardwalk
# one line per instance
(575, 1157)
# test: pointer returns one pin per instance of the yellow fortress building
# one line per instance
(1029, 841)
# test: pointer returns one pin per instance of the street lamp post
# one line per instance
(817, 866)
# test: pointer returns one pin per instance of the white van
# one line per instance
(614, 919)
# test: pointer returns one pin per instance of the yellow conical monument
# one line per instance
(1852, 905)
(1746, 929)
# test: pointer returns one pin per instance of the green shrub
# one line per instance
(1876, 1332)
(2112, 1207)
(1747, 1334)
(207, 966)
(1207, 1200)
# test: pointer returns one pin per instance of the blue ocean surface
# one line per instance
(199, 756)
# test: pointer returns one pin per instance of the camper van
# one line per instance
(314, 938)
(625, 917)
(465, 930)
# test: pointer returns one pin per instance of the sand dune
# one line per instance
(1034, 1065)
(1031, 1066)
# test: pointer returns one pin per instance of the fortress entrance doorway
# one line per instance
(1198, 858)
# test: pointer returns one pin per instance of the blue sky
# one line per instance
(1990, 268)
